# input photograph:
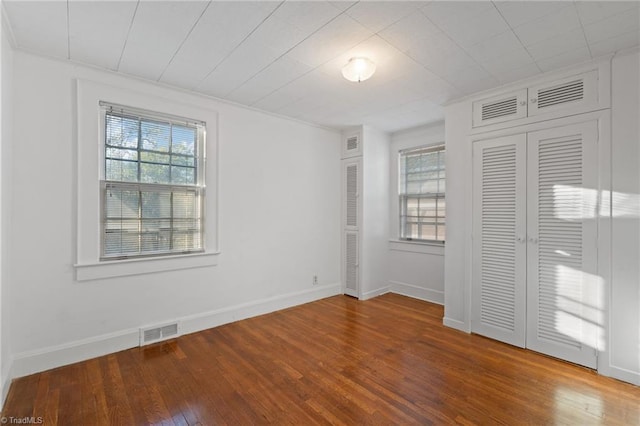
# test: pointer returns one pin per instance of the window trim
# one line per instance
(90, 164)
(402, 195)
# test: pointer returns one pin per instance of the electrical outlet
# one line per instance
(315, 280)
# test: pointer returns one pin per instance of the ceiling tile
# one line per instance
(613, 44)
(223, 26)
(472, 79)
(568, 58)
(470, 29)
(307, 15)
(515, 74)
(516, 59)
(39, 26)
(517, 13)
(378, 15)
(446, 13)
(98, 31)
(276, 75)
(158, 29)
(336, 37)
(408, 29)
(613, 26)
(592, 11)
(554, 25)
(573, 40)
(496, 46)
(242, 64)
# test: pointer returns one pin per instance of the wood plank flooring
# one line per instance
(339, 361)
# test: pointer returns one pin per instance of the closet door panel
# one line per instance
(563, 315)
(499, 239)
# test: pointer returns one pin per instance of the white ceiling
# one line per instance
(285, 57)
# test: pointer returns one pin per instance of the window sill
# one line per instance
(423, 247)
(148, 265)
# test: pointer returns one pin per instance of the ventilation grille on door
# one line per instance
(352, 195)
(498, 237)
(501, 108)
(567, 92)
(158, 333)
(560, 212)
(351, 261)
(352, 143)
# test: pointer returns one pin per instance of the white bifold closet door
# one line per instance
(563, 289)
(535, 204)
(351, 172)
(499, 239)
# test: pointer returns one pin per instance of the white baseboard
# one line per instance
(31, 362)
(410, 290)
(458, 325)
(619, 373)
(374, 293)
(198, 322)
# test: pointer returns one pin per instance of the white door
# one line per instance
(499, 239)
(563, 303)
(350, 222)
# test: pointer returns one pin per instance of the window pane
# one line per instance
(121, 131)
(179, 160)
(412, 207)
(122, 154)
(183, 140)
(441, 208)
(185, 205)
(121, 204)
(429, 187)
(441, 185)
(124, 171)
(183, 175)
(154, 173)
(154, 157)
(428, 232)
(156, 205)
(441, 231)
(428, 207)
(155, 135)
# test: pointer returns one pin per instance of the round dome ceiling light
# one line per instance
(358, 69)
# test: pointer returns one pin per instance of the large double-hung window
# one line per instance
(421, 193)
(152, 189)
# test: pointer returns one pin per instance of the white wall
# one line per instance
(6, 53)
(279, 204)
(375, 212)
(624, 318)
(415, 269)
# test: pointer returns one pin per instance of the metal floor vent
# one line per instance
(156, 334)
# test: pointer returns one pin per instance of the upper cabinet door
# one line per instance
(501, 108)
(578, 91)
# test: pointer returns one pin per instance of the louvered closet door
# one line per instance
(351, 221)
(563, 304)
(499, 241)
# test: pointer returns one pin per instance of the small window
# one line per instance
(421, 194)
(152, 186)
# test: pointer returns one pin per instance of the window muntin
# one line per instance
(422, 194)
(153, 186)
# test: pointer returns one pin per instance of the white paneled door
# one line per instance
(535, 207)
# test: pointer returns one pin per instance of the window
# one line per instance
(152, 189)
(421, 193)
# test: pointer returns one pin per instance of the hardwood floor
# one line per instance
(388, 360)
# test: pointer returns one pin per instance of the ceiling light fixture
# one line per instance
(358, 69)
